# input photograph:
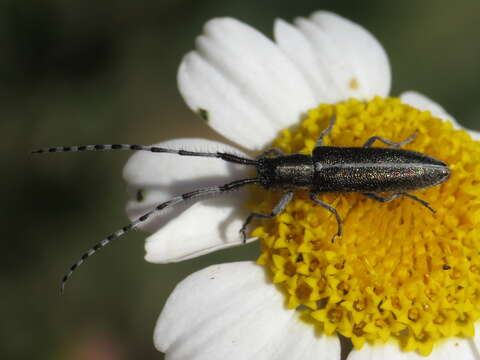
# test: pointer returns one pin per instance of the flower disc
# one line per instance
(398, 271)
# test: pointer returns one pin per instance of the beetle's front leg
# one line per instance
(394, 196)
(370, 141)
(282, 204)
(326, 132)
(313, 197)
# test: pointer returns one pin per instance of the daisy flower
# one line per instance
(400, 283)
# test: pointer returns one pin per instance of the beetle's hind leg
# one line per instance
(282, 204)
(313, 197)
(327, 131)
(394, 196)
(370, 141)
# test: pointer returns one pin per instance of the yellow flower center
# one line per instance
(399, 271)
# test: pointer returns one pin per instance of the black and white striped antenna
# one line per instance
(174, 201)
(154, 149)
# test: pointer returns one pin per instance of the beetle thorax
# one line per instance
(286, 172)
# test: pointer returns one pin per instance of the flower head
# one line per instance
(398, 274)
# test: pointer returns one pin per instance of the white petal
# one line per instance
(244, 83)
(475, 134)
(192, 229)
(207, 226)
(232, 311)
(475, 342)
(159, 177)
(456, 348)
(422, 102)
(339, 58)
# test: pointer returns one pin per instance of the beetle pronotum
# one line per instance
(366, 170)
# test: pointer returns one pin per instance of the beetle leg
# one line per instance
(394, 196)
(270, 151)
(327, 131)
(276, 210)
(370, 141)
(313, 197)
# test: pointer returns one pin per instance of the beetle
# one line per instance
(329, 169)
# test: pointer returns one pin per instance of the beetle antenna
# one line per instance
(174, 201)
(155, 149)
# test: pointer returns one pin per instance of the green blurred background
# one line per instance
(75, 72)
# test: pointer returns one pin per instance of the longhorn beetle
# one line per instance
(330, 169)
